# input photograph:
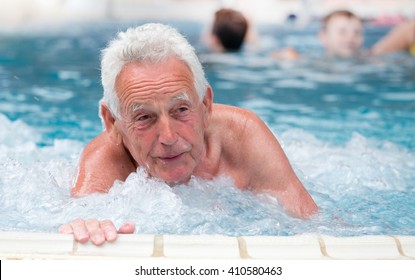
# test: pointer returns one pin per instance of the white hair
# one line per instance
(153, 43)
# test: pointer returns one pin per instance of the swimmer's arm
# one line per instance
(288, 53)
(400, 38)
(102, 162)
(270, 170)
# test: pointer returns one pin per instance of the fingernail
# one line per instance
(98, 238)
(82, 238)
(111, 236)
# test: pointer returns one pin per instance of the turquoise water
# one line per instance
(347, 127)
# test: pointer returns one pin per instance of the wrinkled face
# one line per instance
(162, 119)
(343, 36)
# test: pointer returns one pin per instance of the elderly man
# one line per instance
(159, 114)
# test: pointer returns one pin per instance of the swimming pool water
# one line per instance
(347, 127)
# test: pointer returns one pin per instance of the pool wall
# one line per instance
(25, 245)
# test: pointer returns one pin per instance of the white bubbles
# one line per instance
(359, 166)
(16, 133)
(361, 187)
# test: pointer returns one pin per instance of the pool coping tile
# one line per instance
(406, 245)
(200, 246)
(31, 245)
(126, 246)
(371, 247)
(18, 244)
(299, 247)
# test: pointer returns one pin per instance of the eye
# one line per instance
(182, 109)
(143, 118)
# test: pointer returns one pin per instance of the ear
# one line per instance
(207, 104)
(110, 125)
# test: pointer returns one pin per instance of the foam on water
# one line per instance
(358, 191)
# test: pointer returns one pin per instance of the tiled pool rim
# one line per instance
(28, 245)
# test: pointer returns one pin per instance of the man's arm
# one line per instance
(270, 170)
(102, 162)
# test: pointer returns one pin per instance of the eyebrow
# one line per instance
(136, 107)
(180, 97)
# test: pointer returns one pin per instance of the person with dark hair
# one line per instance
(229, 29)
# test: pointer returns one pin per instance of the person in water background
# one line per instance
(159, 115)
(230, 31)
(342, 35)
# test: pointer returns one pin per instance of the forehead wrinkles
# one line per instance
(139, 106)
(134, 94)
(132, 87)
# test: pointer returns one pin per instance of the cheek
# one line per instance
(333, 39)
(137, 144)
(199, 139)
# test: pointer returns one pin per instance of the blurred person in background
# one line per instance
(342, 34)
(229, 31)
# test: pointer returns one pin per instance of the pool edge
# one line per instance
(27, 245)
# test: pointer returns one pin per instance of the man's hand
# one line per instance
(96, 231)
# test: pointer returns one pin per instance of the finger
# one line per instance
(109, 230)
(96, 234)
(80, 231)
(126, 228)
(66, 228)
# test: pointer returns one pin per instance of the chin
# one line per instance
(175, 179)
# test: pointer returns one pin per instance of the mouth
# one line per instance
(171, 158)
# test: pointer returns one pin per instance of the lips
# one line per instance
(171, 158)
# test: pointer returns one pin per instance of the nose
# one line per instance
(166, 131)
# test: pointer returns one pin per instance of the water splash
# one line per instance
(361, 187)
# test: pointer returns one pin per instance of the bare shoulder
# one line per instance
(238, 132)
(102, 162)
(256, 160)
(239, 127)
(250, 145)
(234, 119)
